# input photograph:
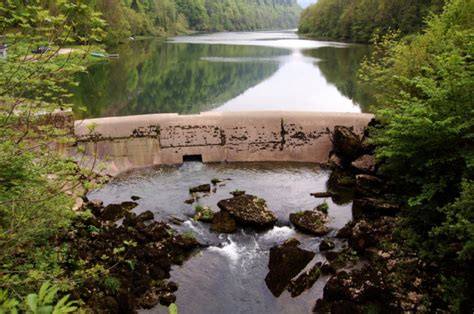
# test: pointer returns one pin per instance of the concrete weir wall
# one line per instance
(125, 143)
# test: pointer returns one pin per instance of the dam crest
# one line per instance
(130, 142)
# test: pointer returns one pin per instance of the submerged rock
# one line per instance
(223, 223)
(310, 221)
(203, 188)
(249, 210)
(286, 261)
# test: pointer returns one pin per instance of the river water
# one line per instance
(246, 71)
(228, 277)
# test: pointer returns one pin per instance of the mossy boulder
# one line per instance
(311, 222)
(249, 210)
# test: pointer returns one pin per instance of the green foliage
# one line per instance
(43, 302)
(112, 284)
(358, 20)
(38, 184)
(160, 17)
(173, 309)
(426, 144)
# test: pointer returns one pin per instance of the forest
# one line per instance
(359, 20)
(127, 18)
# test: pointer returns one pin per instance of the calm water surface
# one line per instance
(228, 277)
(245, 71)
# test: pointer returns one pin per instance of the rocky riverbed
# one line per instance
(266, 238)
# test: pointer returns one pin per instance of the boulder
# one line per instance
(248, 210)
(347, 144)
(167, 298)
(335, 162)
(305, 281)
(362, 236)
(374, 207)
(135, 198)
(114, 212)
(368, 185)
(326, 245)
(364, 164)
(286, 261)
(95, 206)
(223, 223)
(310, 222)
(203, 188)
(352, 292)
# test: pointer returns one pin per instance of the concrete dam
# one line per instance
(125, 143)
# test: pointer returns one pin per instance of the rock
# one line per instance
(203, 188)
(203, 213)
(335, 162)
(327, 269)
(135, 198)
(362, 236)
(149, 300)
(248, 210)
(113, 212)
(310, 221)
(185, 242)
(176, 220)
(347, 144)
(364, 164)
(291, 242)
(237, 193)
(368, 185)
(374, 207)
(223, 223)
(326, 245)
(216, 181)
(167, 298)
(346, 231)
(322, 194)
(172, 286)
(348, 292)
(156, 231)
(145, 216)
(341, 178)
(323, 208)
(286, 261)
(189, 201)
(305, 281)
(95, 206)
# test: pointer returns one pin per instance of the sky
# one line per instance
(305, 3)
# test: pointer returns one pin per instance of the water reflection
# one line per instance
(224, 72)
(157, 77)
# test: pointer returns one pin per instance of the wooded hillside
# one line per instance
(157, 17)
(358, 20)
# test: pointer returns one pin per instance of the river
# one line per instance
(229, 72)
(246, 71)
(228, 276)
